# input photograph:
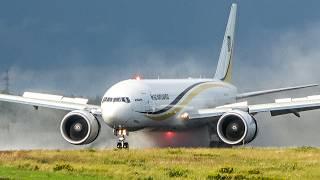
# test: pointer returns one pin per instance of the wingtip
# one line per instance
(313, 85)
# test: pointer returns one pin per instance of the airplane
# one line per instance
(171, 105)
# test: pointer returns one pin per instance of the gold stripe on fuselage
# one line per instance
(177, 108)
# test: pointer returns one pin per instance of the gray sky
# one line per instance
(84, 47)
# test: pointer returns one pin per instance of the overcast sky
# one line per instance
(83, 47)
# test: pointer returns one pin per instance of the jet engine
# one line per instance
(237, 127)
(79, 127)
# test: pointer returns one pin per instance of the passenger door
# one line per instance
(142, 102)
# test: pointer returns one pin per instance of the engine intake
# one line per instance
(79, 127)
(236, 127)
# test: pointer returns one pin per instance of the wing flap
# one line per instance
(52, 97)
(286, 107)
(279, 107)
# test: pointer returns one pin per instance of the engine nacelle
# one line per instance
(236, 127)
(79, 127)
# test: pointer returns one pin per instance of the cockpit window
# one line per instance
(116, 99)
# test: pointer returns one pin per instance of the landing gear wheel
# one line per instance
(121, 133)
(126, 145)
(119, 145)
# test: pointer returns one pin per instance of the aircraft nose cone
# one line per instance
(115, 115)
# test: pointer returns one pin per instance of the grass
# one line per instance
(180, 163)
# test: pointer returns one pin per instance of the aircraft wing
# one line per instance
(52, 101)
(279, 107)
(258, 93)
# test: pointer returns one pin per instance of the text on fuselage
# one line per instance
(159, 97)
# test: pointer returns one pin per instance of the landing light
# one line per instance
(184, 116)
(170, 134)
(121, 132)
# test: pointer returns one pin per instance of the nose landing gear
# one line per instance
(121, 133)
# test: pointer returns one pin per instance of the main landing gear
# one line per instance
(121, 133)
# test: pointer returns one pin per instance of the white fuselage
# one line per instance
(136, 104)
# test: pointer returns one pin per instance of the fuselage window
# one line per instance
(117, 99)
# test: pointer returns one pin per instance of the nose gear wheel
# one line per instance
(121, 133)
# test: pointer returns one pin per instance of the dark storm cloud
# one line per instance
(55, 36)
